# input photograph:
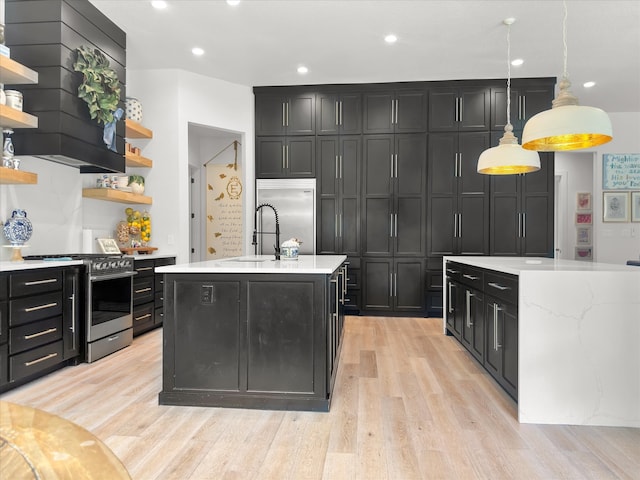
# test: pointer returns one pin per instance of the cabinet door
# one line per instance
(71, 314)
(411, 111)
(499, 108)
(350, 168)
(4, 364)
(537, 233)
(475, 107)
(270, 157)
(270, 115)
(531, 101)
(493, 336)
(473, 323)
(505, 223)
(471, 146)
(328, 113)
(473, 225)
(408, 285)
(378, 151)
(300, 157)
(301, 114)
(328, 163)
(378, 112)
(442, 218)
(409, 225)
(350, 114)
(378, 277)
(328, 225)
(377, 226)
(442, 110)
(509, 326)
(328, 198)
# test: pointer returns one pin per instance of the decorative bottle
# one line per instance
(18, 228)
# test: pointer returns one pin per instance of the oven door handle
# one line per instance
(111, 276)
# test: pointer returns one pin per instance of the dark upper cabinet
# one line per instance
(522, 212)
(526, 101)
(285, 114)
(339, 114)
(458, 201)
(461, 109)
(278, 157)
(339, 165)
(395, 111)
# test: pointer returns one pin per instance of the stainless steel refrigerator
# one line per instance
(295, 201)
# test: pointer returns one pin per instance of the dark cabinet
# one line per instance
(4, 331)
(458, 195)
(459, 109)
(148, 296)
(288, 114)
(393, 284)
(522, 212)
(395, 111)
(339, 113)
(278, 157)
(71, 313)
(526, 101)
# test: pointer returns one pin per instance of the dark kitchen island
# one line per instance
(253, 332)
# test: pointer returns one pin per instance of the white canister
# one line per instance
(13, 99)
(134, 109)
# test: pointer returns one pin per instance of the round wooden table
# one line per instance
(38, 445)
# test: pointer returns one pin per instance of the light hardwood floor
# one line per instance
(409, 403)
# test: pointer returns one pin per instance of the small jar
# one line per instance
(13, 99)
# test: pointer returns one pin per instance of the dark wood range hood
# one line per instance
(43, 35)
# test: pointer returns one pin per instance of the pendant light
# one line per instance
(567, 126)
(508, 157)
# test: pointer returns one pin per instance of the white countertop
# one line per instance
(31, 264)
(518, 265)
(323, 264)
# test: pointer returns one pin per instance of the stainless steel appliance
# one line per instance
(295, 201)
(107, 299)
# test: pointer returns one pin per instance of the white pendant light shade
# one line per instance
(508, 158)
(567, 126)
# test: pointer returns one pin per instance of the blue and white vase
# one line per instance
(18, 228)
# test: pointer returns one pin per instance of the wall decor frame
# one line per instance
(108, 245)
(620, 171)
(584, 253)
(584, 218)
(635, 206)
(583, 201)
(615, 206)
(583, 236)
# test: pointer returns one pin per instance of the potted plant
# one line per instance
(136, 182)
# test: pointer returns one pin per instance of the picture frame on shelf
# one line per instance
(615, 207)
(583, 201)
(108, 245)
(583, 236)
(584, 253)
(635, 206)
(584, 218)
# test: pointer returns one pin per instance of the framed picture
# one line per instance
(615, 206)
(584, 253)
(635, 206)
(584, 218)
(583, 201)
(108, 245)
(583, 236)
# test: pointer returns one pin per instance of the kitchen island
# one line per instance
(562, 337)
(252, 332)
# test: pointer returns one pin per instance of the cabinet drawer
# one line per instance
(34, 282)
(4, 289)
(143, 290)
(4, 322)
(35, 334)
(453, 270)
(503, 287)
(143, 317)
(4, 365)
(33, 361)
(434, 280)
(143, 267)
(26, 310)
(471, 277)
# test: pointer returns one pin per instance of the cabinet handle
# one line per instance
(337, 112)
(340, 112)
(142, 290)
(336, 166)
(395, 284)
(40, 282)
(391, 284)
(455, 119)
(397, 101)
(147, 315)
(41, 359)
(340, 224)
(461, 108)
(449, 297)
(40, 307)
(395, 227)
(396, 167)
(524, 225)
(460, 164)
(287, 118)
(455, 165)
(498, 286)
(496, 309)
(283, 157)
(519, 225)
(524, 107)
(39, 334)
(453, 272)
(143, 269)
(391, 224)
(283, 115)
(455, 225)
(392, 110)
(469, 295)
(111, 339)
(287, 156)
(341, 167)
(470, 277)
(72, 298)
(459, 225)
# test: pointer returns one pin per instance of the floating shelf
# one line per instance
(13, 73)
(10, 175)
(137, 161)
(138, 250)
(13, 118)
(135, 130)
(114, 195)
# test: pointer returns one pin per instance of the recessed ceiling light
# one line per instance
(391, 38)
(197, 51)
(302, 70)
(589, 84)
(233, 3)
(517, 62)
(159, 4)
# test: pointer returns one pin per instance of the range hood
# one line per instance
(43, 35)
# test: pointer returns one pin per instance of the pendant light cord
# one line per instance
(564, 38)
(508, 76)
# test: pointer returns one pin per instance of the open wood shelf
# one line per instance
(114, 195)
(137, 160)
(135, 130)
(13, 118)
(10, 175)
(14, 73)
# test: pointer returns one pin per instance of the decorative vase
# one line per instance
(134, 109)
(137, 188)
(18, 228)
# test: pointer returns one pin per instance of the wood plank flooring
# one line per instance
(409, 403)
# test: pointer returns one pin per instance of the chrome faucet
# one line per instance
(255, 230)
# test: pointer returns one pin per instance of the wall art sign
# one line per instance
(583, 201)
(583, 235)
(621, 171)
(615, 206)
(635, 206)
(583, 218)
(584, 253)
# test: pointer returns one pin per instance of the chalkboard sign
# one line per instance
(621, 171)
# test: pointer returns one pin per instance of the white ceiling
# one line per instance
(262, 42)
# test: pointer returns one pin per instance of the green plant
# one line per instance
(100, 87)
(136, 179)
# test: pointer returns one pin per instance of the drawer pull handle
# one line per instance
(142, 290)
(498, 286)
(41, 359)
(41, 307)
(41, 282)
(143, 317)
(470, 277)
(453, 272)
(39, 334)
(143, 269)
